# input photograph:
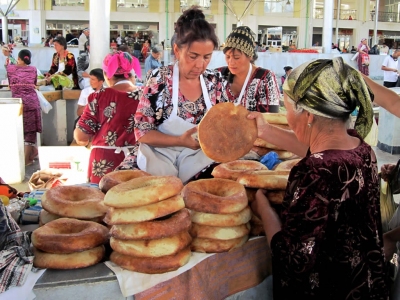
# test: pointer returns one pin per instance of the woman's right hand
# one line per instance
(262, 125)
(387, 171)
(187, 140)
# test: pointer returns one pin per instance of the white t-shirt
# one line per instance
(390, 76)
(83, 98)
(119, 40)
(82, 40)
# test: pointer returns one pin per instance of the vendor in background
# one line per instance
(108, 119)
(63, 65)
(22, 80)
(363, 49)
(173, 104)
(243, 82)
(326, 242)
(288, 70)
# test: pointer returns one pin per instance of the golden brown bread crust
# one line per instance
(152, 265)
(275, 197)
(117, 216)
(264, 144)
(275, 118)
(287, 165)
(270, 180)
(235, 219)
(219, 233)
(46, 217)
(215, 196)
(143, 191)
(217, 246)
(78, 202)
(155, 229)
(152, 248)
(225, 134)
(75, 260)
(231, 170)
(116, 177)
(65, 235)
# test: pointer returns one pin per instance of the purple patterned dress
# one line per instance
(22, 81)
(330, 245)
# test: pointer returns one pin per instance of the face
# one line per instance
(156, 55)
(86, 32)
(364, 42)
(58, 47)
(194, 60)
(288, 72)
(396, 54)
(95, 83)
(297, 121)
(238, 62)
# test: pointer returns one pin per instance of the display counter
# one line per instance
(233, 275)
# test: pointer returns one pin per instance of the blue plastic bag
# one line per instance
(270, 160)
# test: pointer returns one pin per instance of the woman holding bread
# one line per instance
(326, 242)
(243, 82)
(174, 101)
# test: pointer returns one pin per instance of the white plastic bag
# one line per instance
(44, 104)
(372, 137)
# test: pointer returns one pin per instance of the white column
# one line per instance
(376, 42)
(31, 4)
(4, 29)
(337, 23)
(328, 26)
(99, 18)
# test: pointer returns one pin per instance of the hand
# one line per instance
(389, 247)
(387, 171)
(260, 204)
(262, 125)
(187, 140)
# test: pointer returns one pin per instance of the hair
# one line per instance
(61, 40)
(98, 73)
(287, 68)
(192, 26)
(86, 45)
(25, 55)
(122, 76)
(124, 48)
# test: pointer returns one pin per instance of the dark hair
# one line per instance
(124, 48)
(287, 68)
(98, 73)
(122, 76)
(61, 40)
(192, 26)
(86, 45)
(25, 56)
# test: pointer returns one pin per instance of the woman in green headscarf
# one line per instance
(326, 242)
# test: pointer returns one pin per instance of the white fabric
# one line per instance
(118, 150)
(23, 292)
(83, 98)
(390, 76)
(177, 161)
(61, 67)
(82, 40)
(237, 101)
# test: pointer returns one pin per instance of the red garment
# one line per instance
(109, 118)
(70, 67)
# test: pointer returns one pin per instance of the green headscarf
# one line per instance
(331, 88)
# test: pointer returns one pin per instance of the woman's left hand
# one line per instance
(389, 247)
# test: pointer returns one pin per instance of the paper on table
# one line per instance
(23, 292)
(132, 283)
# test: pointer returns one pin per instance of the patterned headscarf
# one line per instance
(241, 39)
(118, 63)
(330, 88)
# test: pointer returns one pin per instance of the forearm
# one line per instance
(284, 139)
(393, 235)
(384, 68)
(271, 222)
(156, 138)
(80, 110)
(80, 137)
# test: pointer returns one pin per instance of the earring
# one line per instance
(309, 125)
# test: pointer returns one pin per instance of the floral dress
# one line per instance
(156, 105)
(109, 118)
(70, 67)
(262, 92)
(330, 245)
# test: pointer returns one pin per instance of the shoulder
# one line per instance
(212, 75)
(223, 70)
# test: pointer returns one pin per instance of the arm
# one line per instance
(80, 110)
(88, 123)
(384, 68)
(384, 97)
(282, 138)
(156, 138)
(390, 239)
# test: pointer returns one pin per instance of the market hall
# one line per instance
(201, 205)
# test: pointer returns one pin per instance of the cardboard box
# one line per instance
(73, 161)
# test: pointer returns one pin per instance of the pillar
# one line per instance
(328, 26)
(99, 20)
(4, 26)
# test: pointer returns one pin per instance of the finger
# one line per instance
(253, 115)
(192, 130)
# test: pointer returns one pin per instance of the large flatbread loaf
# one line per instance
(225, 134)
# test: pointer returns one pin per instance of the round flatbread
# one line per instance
(225, 134)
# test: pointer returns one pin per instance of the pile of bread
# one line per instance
(150, 224)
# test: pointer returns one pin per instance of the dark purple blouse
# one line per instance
(330, 245)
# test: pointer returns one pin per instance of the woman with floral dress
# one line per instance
(174, 101)
(108, 119)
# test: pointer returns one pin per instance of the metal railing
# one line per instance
(344, 14)
(386, 16)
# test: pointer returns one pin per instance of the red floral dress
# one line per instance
(109, 118)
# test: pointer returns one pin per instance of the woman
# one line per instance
(10, 60)
(288, 70)
(22, 80)
(363, 49)
(326, 242)
(243, 82)
(63, 65)
(175, 100)
(145, 49)
(108, 119)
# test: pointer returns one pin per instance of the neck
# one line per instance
(333, 139)
(241, 77)
(183, 79)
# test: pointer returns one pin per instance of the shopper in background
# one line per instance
(288, 70)
(96, 81)
(83, 39)
(363, 57)
(145, 50)
(83, 67)
(390, 69)
(153, 60)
